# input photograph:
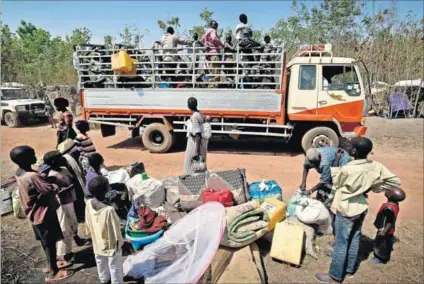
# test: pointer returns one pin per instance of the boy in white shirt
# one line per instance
(104, 226)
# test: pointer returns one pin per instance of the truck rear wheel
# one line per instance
(12, 119)
(319, 137)
(157, 138)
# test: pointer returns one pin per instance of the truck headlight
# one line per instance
(21, 108)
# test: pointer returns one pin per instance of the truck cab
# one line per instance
(17, 106)
(328, 92)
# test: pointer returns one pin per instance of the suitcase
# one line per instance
(287, 242)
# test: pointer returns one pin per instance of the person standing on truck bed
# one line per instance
(169, 44)
(196, 145)
(213, 46)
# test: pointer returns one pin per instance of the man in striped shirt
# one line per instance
(84, 144)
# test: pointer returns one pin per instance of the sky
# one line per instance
(110, 17)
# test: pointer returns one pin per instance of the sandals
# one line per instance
(61, 264)
(60, 275)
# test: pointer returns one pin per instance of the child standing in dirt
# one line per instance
(104, 226)
(38, 199)
(95, 162)
(351, 183)
(59, 175)
(385, 224)
(84, 144)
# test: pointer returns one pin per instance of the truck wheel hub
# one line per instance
(9, 119)
(157, 138)
(321, 141)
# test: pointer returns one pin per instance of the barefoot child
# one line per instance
(104, 226)
(38, 199)
(95, 162)
(60, 176)
(385, 224)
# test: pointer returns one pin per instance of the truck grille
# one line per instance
(37, 107)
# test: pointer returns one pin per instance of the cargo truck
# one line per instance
(315, 95)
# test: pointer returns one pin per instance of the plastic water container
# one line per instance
(122, 62)
(275, 209)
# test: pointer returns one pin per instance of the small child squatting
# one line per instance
(385, 224)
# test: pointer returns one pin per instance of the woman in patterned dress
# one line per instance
(195, 141)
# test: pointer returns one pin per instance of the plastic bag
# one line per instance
(223, 196)
(18, 212)
(264, 189)
(293, 203)
(118, 176)
(149, 192)
(184, 252)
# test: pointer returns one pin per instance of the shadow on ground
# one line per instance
(218, 145)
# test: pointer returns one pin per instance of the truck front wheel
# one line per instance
(319, 137)
(12, 119)
(157, 138)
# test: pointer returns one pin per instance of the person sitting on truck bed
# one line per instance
(196, 50)
(229, 65)
(213, 46)
(244, 36)
(169, 44)
(268, 48)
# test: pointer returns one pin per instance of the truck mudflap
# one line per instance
(107, 130)
(360, 130)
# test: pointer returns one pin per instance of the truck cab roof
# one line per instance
(320, 60)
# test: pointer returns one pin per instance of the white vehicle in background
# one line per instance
(17, 107)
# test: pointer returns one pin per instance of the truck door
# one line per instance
(340, 94)
(303, 92)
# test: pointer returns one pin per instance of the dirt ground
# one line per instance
(398, 144)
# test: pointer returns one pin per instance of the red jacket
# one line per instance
(395, 208)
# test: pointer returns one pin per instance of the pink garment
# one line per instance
(211, 41)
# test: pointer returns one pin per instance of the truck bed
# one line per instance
(244, 100)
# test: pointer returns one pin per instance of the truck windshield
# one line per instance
(341, 78)
(12, 94)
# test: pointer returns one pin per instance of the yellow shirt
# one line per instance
(105, 230)
(351, 181)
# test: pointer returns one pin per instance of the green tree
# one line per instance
(79, 36)
(108, 41)
(25, 29)
(171, 22)
(126, 36)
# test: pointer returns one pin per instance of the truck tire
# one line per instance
(12, 119)
(319, 137)
(157, 139)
